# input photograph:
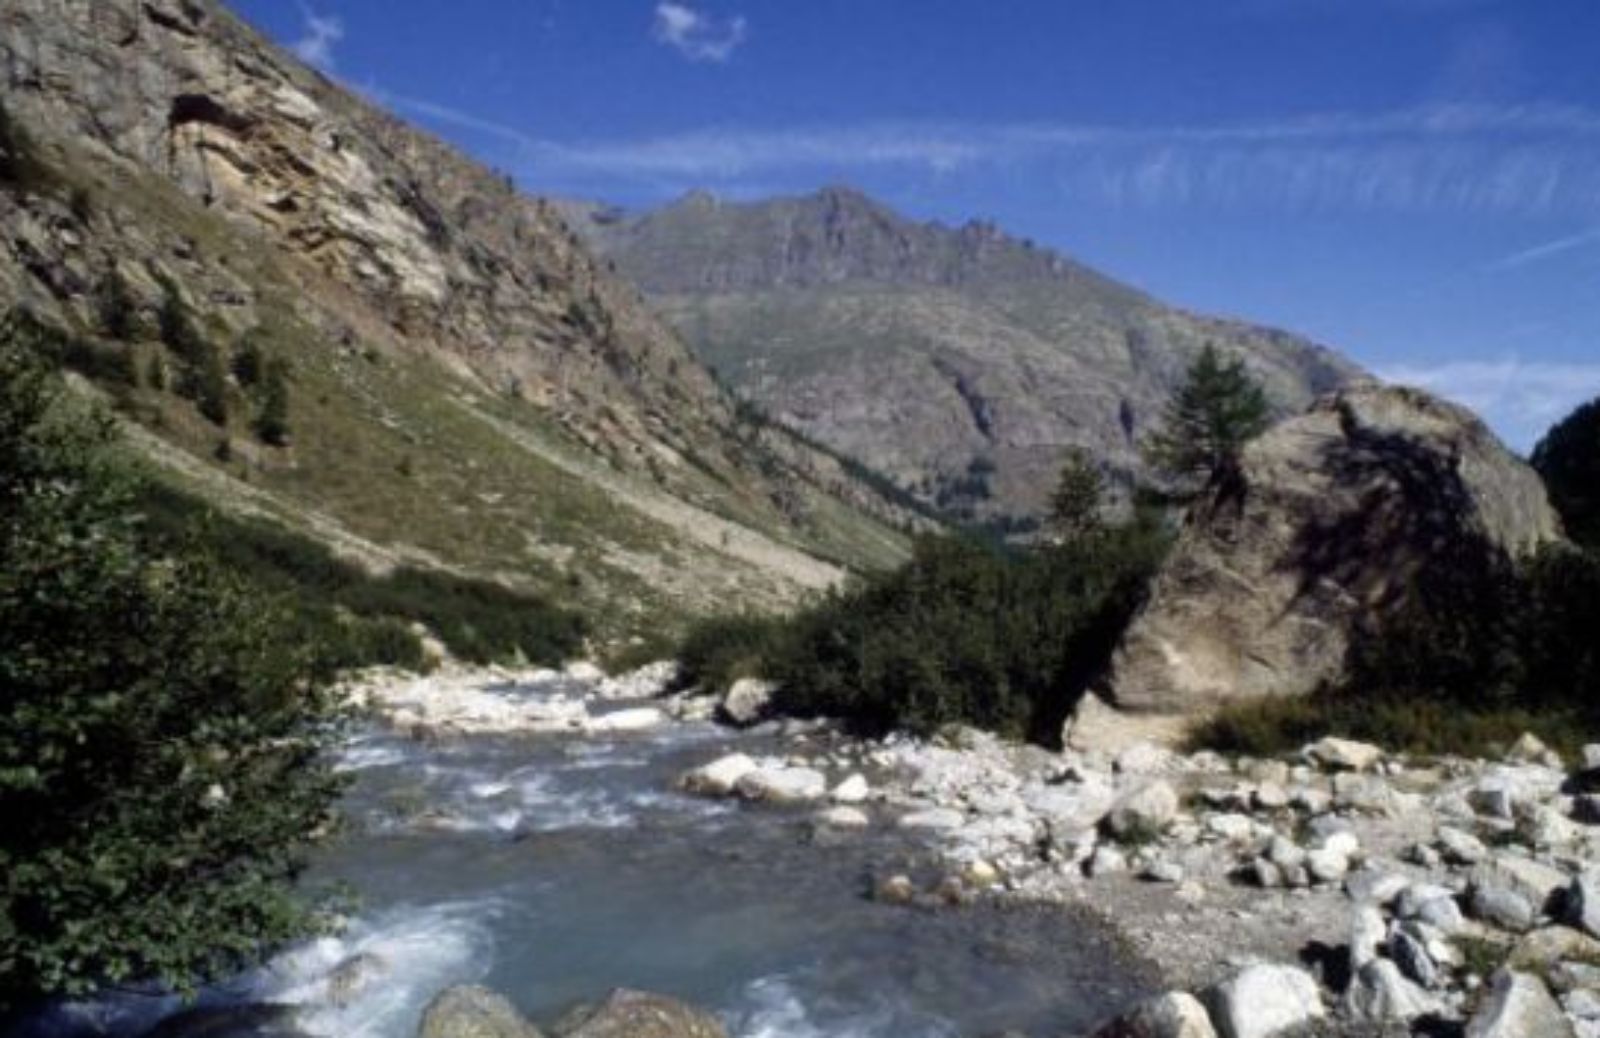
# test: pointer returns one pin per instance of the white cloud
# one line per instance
(1521, 399)
(1541, 160)
(1548, 249)
(322, 34)
(695, 34)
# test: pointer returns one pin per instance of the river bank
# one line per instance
(1395, 888)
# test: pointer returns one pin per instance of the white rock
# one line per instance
(843, 816)
(637, 719)
(783, 785)
(1367, 934)
(1342, 754)
(747, 701)
(1519, 1006)
(1144, 758)
(1264, 1000)
(584, 671)
(1327, 866)
(936, 818)
(719, 778)
(1379, 993)
(1461, 848)
(1106, 860)
(1235, 828)
(1177, 1014)
(853, 790)
(1150, 807)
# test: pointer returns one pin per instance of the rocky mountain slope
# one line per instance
(468, 387)
(959, 362)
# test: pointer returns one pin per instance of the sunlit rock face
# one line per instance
(1331, 517)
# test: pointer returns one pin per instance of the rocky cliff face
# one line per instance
(959, 361)
(1332, 515)
(438, 322)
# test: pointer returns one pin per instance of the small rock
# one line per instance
(1581, 906)
(1264, 1000)
(1530, 749)
(936, 818)
(853, 790)
(1144, 758)
(1461, 848)
(1367, 932)
(896, 890)
(1327, 866)
(1519, 1006)
(1500, 907)
(1269, 796)
(719, 778)
(783, 785)
(1265, 874)
(1379, 993)
(1163, 871)
(1411, 955)
(1336, 754)
(843, 816)
(637, 719)
(1148, 808)
(1376, 886)
(1285, 853)
(1176, 1014)
(1106, 860)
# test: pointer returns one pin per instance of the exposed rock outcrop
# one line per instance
(473, 1012)
(1327, 521)
(636, 1014)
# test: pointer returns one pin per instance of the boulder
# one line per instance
(719, 778)
(1148, 808)
(1264, 1000)
(1519, 1006)
(637, 719)
(469, 1011)
(1337, 754)
(1379, 993)
(853, 790)
(1176, 1014)
(783, 785)
(747, 702)
(1328, 518)
(843, 816)
(1581, 906)
(636, 1014)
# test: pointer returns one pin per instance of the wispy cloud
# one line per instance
(695, 34)
(1521, 399)
(322, 34)
(1450, 159)
(1547, 250)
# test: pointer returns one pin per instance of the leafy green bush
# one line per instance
(161, 738)
(722, 649)
(964, 632)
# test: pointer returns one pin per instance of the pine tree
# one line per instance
(1218, 410)
(1076, 504)
(211, 385)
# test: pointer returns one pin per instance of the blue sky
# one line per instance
(1415, 182)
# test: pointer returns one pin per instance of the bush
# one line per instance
(161, 765)
(964, 632)
(20, 164)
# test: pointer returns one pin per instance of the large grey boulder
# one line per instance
(1519, 1006)
(1380, 993)
(1328, 519)
(747, 702)
(1175, 1014)
(1263, 1001)
(469, 1011)
(637, 1014)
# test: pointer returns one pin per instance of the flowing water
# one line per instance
(554, 869)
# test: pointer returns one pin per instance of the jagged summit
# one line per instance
(962, 361)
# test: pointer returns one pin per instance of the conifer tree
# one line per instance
(1218, 410)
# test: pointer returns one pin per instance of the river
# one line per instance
(556, 868)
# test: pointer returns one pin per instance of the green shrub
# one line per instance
(161, 740)
(964, 632)
(722, 649)
(20, 164)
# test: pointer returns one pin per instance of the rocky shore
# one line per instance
(1340, 891)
